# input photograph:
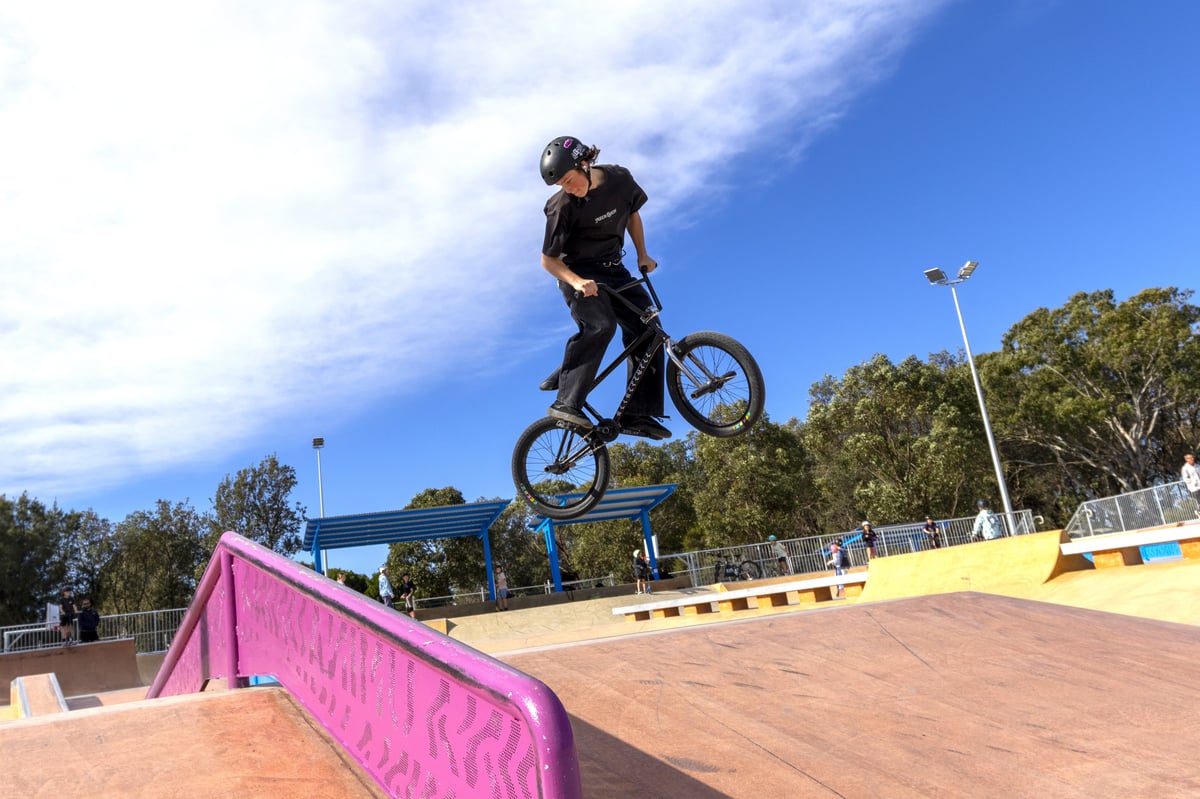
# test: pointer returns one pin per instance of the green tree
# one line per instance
(1101, 394)
(32, 572)
(750, 486)
(436, 564)
(154, 559)
(86, 549)
(896, 441)
(255, 504)
(517, 548)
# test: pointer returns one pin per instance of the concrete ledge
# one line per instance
(37, 695)
(761, 595)
(1123, 549)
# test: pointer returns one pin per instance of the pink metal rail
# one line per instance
(422, 713)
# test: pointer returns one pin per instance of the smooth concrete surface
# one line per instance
(256, 743)
(956, 695)
(80, 669)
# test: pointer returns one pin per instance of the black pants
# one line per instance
(598, 318)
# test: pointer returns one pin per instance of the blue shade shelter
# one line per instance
(618, 503)
(417, 524)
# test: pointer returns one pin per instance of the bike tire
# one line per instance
(720, 389)
(749, 571)
(550, 453)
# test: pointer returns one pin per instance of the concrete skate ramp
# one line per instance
(961, 694)
(1011, 566)
(81, 669)
(248, 743)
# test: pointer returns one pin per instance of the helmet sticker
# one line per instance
(567, 144)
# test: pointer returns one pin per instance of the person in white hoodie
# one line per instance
(1191, 478)
(987, 523)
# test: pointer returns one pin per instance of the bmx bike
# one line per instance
(728, 571)
(562, 470)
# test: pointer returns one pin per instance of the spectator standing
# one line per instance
(341, 578)
(932, 533)
(501, 589)
(408, 592)
(386, 595)
(781, 555)
(1191, 478)
(641, 572)
(839, 560)
(868, 538)
(89, 622)
(987, 523)
(66, 617)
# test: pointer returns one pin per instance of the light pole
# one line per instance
(938, 278)
(318, 443)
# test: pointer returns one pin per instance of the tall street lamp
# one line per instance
(938, 278)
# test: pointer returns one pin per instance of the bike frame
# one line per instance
(654, 332)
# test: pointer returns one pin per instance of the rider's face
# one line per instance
(575, 183)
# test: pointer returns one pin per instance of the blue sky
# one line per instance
(333, 229)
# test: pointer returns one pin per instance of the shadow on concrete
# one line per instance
(611, 767)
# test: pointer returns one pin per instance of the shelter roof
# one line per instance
(416, 524)
(621, 503)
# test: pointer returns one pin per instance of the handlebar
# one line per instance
(616, 292)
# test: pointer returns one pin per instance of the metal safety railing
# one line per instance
(810, 553)
(151, 630)
(421, 715)
(471, 597)
(1148, 507)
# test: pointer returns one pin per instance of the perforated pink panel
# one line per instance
(425, 715)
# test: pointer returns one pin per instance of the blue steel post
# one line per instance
(487, 564)
(552, 551)
(648, 537)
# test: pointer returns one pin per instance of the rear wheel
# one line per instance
(715, 384)
(560, 471)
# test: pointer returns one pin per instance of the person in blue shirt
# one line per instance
(386, 594)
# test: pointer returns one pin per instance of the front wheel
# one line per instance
(558, 470)
(716, 384)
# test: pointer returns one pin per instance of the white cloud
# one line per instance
(204, 206)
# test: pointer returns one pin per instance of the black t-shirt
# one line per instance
(592, 228)
(66, 608)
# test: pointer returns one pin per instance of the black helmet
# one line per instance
(983, 503)
(561, 156)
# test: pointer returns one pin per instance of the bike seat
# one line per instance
(551, 382)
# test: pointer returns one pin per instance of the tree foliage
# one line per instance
(1102, 394)
(153, 559)
(255, 504)
(896, 441)
(31, 569)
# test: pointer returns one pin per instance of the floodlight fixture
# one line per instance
(938, 278)
(318, 443)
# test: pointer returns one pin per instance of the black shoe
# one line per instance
(565, 413)
(646, 426)
(551, 382)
